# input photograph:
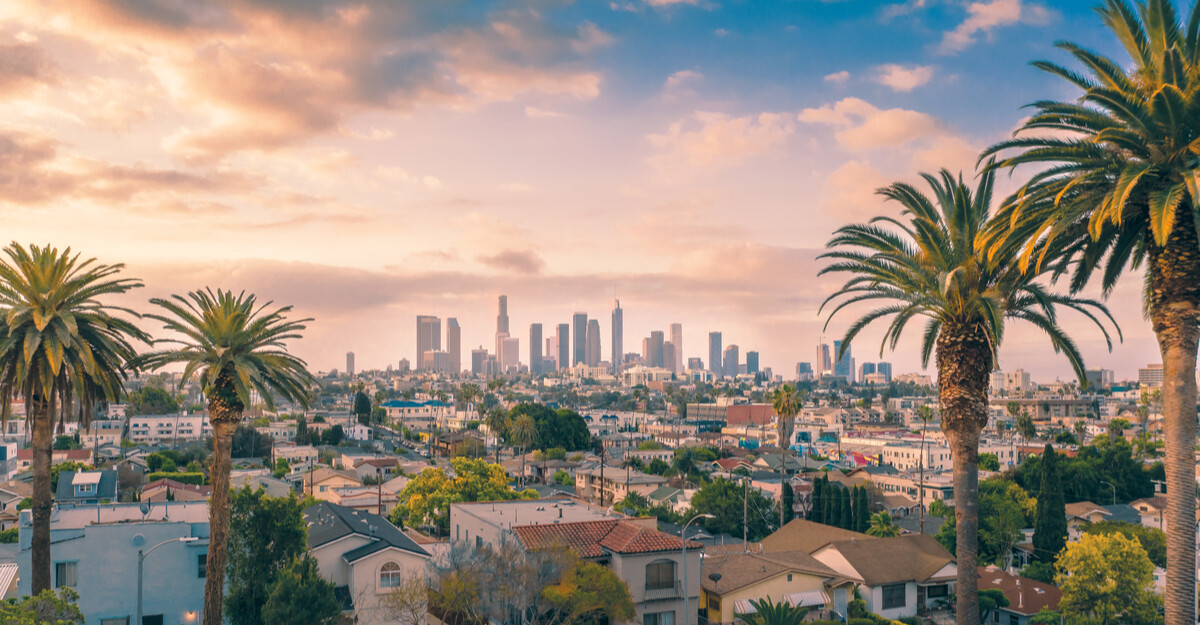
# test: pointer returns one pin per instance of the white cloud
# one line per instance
(904, 77)
(862, 125)
(983, 16)
(713, 139)
(839, 77)
(680, 78)
(534, 112)
(850, 192)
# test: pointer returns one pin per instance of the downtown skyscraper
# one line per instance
(677, 342)
(618, 337)
(592, 355)
(454, 345)
(564, 345)
(579, 344)
(714, 354)
(429, 337)
(535, 349)
(501, 321)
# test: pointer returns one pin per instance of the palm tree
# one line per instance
(523, 430)
(882, 525)
(767, 612)
(1117, 187)
(59, 344)
(927, 263)
(238, 347)
(925, 414)
(497, 423)
(786, 402)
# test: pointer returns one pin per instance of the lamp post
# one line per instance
(1114, 490)
(687, 618)
(142, 557)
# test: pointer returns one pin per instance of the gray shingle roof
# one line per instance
(328, 522)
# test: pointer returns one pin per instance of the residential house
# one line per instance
(159, 428)
(359, 432)
(731, 579)
(96, 554)
(611, 484)
(58, 456)
(375, 468)
(363, 555)
(12, 493)
(415, 415)
(296, 453)
(1151, 510)
(102, 432)
(807, 536)
(1026, 597)
(1081, 514)
(457, 443)
(86, 487)
(320, 482)
(271, 486)
(895, 575)
(369, 498)
(167, 489)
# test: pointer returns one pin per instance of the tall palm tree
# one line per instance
(237, 346)
(497, 422)
(523, 430)
(786, 402)
(58, 344)
(925, 414)
(927, 263)
(1117, 187)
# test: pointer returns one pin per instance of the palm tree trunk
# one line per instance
(218, 515)
(42, 414)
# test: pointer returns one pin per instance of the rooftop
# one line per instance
(328, 522)
(1025, 596)
(914, 557)
(534, 511)
(79, 516)
(807, 536)
(592, 539)
(740, 569)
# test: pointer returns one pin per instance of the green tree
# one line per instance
(767, 612)
(1116, 187)
(250, 443)
(882, 525)
(266, 534)
(362, 407)
(786, 402)
(724, 500)
(281, 467)
(301, 595)
(1002, 514)
(862, 509)
(589, 594)
(237, 346)
(1107, 579)
(523, 431)
(45, 608)
(787, 499)
(989, 462)
(153, 400)
(333, 435)
(302, 436)
(427, 497)
(60, 343)
(562, 478)
(929, 263)
(555, 428)
(1153, 540)
(990, 600)
(1050, 528)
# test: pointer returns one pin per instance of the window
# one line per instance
(789, 577)
(714, 603)
(937, 592)
(478, 542)
(152, 619)
(1013, 620)
(120, 620)
(202, 565)
(390, 575)
(66, 574)
(659, 618)
(894, 596)
(660, 574)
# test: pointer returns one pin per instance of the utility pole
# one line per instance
(746, 517)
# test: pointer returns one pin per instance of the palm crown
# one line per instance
(928, 264)
(231, 339)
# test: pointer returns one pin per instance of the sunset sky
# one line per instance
(372, 161)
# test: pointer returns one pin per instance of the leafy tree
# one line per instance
(152, 400)
(1083, 476)
(1153, 540)
(990, 600)
(562, 478)
(767, 612)
(62, 343)
(250, 443)
(862, 509)
(724, 500)
(184, 478)
(301, 595)
(649, 445)
(281, 468)
(1116, 187)
(882, 525)
(845, 511)
(168, 466)
(787, 499)
(1002, 514)
(362, 407)
(65, 442)
(1046, 616)
(45, 608)
(302, 436)
(555, 428)
(589, 594)
(1066, 438)
(266, 535)
(1107, 579)
(1040, 571)
(1050, 529)
(9, 536)
(930, 263)
(333, 435)
(408, 603)
(989, 462)
(236, 346)
(427, 497)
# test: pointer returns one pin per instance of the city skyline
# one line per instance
(335, 176)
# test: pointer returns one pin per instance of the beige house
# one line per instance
(614, 484)
(731, 580)
(895, 575)
(1083, 513)
(321, 482)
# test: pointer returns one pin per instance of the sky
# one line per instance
(371, 161)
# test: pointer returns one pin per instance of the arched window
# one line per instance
(660, 574)
(390, 575)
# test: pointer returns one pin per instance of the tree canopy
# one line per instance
(427, 497)
(265, 535)
(555, 428)
(1107, 579)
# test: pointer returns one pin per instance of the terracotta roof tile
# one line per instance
(1025, 596)
(590, 539)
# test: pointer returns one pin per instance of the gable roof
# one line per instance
(175, 485)
(1083, 509)
(915, 557)
(328, 522)
(740, 569)
(106, 486)
(592, 539)
(807, 536)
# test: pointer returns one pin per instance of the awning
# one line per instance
(812, 598)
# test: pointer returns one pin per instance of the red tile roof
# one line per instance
(1025, 596)
(59, 455)
(591, 539)
(172, 484)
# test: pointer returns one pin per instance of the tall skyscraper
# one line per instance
(654, 350)
(618, 337)
(844, 365)
(677, 341)
(349, 363)
(429, 337)
(865, 369)
(731, 362)
(885, 368)
(804, 371)
(579, 345)
(751, 362)
(592, 351)
(714, 353)
(668, 355)
(479, 361)
(564, 345)
(822, 364)
(535, 348)
(501, 321)
(454, 345)
(510, 354)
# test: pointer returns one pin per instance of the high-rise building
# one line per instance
(579, 345)
(751, 362)
(677, 341)
(668, 355)
(652, 349)
(551, 353)
(886, 369)
(822, 366)
(843, 364)
(502, 316)
(592, 350)
(731, 361)
(695, 364)
(403, 366)
(454, 345)
(429, 337)
(510, 354)
(618, 336)
(804, 371)
(436, 360)
(535, 348)
(479, 361)
(563, 339)
(865, 369)
(350, 363)
(714, 353)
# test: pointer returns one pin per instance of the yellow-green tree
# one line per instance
(1107, 579)
(427, 498)
(589, 593)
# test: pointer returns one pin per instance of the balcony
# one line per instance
(674, 591)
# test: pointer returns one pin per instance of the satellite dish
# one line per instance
(716, 577)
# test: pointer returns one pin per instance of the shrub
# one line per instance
(185, 478)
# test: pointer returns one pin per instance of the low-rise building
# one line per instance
(731, 580)
(1081, 514)
(86, 487)
(1026, 597)
(612, 484)
(321, 482)
(896, 576)
(161, 428)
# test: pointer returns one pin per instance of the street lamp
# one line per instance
(1114, 489)
(687, 618)
(142, 557)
